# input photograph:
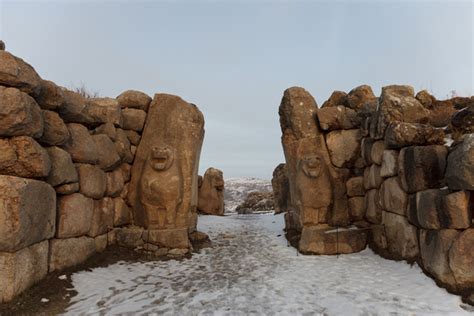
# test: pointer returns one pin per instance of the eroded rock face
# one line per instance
(15, 72)
(256, 201)
(81, 145)
(134, 99)
(211, 193)
(460, 166)
(55, 131)
(281, 189)
(326, 240)
(163, 191)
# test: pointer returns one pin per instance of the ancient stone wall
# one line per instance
(410, 176)
(65, 170)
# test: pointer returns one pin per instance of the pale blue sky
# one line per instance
(235, 58)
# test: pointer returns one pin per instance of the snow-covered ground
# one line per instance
(236, 190)
(251, 270)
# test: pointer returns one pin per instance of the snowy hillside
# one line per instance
(236, 190)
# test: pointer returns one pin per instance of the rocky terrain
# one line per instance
(237, 189)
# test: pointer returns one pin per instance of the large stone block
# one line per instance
(356, 208)
(460, 167)
(22, 156)
(67, 189)
(50, 96)
(62, 168)
(104, 110)
(108, 158)
(133, 119)
(74, 215)
(121, 212)
(389, 163)
(429, 207)
(458, 209)
(129, 237)
(107, 129)
(211, 193)
(422, 167)
(360, 96)
(344, 147)
(402, 134)
(366, 150)
(15, 72)
(376, 152)
(355, 186)
(372, 178)
(372, 203)
(392, 197)
(336, 98)
(281, 189)
(122, 146)
(27, 212)
(325, 240)
(402, 237)
(55, 130)
(338, 117)
(103, 217)
(169, 238)
(462, 122)
(134, 99)
(92, 180)
(19, 113)
(81, 146)
(20, 270)
(461, 259)
(115, 183)
(133, 137)
(74, 108)
(65, 253)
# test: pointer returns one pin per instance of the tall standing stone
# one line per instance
(211, 193)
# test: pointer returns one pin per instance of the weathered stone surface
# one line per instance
(393, 198)
(429, 207)
(401, 134)
(372, 203)
(163, 191)
(104, 110)
(92, 180)
(81, 145)
(463, 122)
(376, 152)
(134, 99)
(461, 259)
(425, 98)
(317, 189)
(355, 186)
(74, 215)
(101, 242)
(55, 131)
(434, 251)
(27, 212)
(22, 269)
(325, 240)
(19, 113)
(402, 239)
(169, 238)
(356, 208)
(133, 137)
(103, 217)
(62, 168)
(108, 158)
(115, 183)
(458, 209)
(121, 212)
(389, 163)
(2, 45)
(130, 237)
(360, 96)
(344, 147)
(211, 193)
(122, 146)
(22, 156)
(256, 201)
(107, 129)
(133, 119)
(412, 212)
(336, 98)
(422, 167)
(397, 103)
(50, 97)
(460, 166)
(15, 72)
(281, 189)
(366, 150)
(126, 171)
(65, 253)
(74, 108)
(338, 117)
(68, 188)
(372, 178)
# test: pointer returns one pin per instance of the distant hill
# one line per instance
(237, 189)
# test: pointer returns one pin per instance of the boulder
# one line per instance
(356, 208)
(126, 171)
(108, 157)
(461, 259)
(376, 152)
(122, 146)
(20, 270)
(256, 201)
(325, 240)
(2, 45)
(338, 117)
(393, 198)
(121, 212)
(429, 207)
(397, 103)
(101, 242)
(281, 189)
(81, 145)
(372, 178)
(92, 181)
(50, 97)
(167, 238)
(19, 113)
(67, 189)
(103, 217)
(62, 168)
(74, 108)
(133, 119)
(462, 122)
(360, 96)
(129, 237)
(27, 212)
(336, 98)
(389, 163)
(133, 137)
(401, 134)
(425, 98)
(457, 207)
(211, 193)
(344, 147)
(55, 131)
(373, 209)
(22, 156)
(107, 129)
(115, 183)
(412, 212)
(355, 186)
(366, 150)
(460, 166)
(74, 215)
(402, 239)
(134, 99)
(61, 256)
(104, 110)
(422, 167)
(15, 72)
